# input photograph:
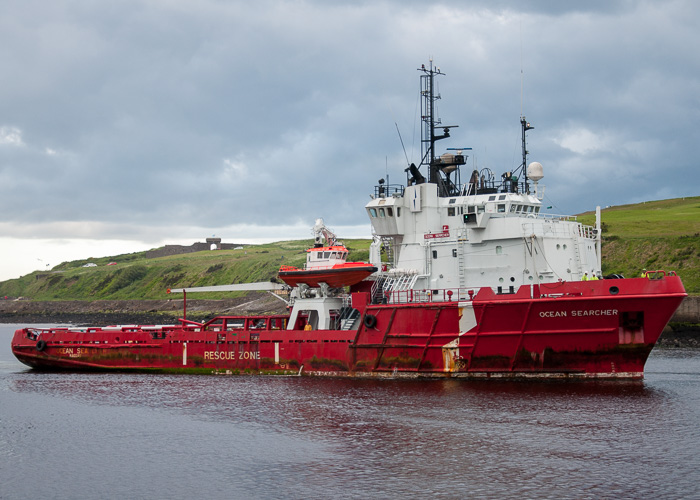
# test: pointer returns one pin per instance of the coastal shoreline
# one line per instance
(122, 312)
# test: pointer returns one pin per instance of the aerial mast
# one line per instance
(439, 169)
(525, 126)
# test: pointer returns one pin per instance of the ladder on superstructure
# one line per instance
(577, 251)
(461, 258)
(388, 246)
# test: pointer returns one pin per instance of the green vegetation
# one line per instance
(653, 235)
(136, 277)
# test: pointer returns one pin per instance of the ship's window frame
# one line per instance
(480, 209)
(450, 211)
(492, 198)
(398, 211)
(499, 251)
(389, 211)
(501, 197)
(537, 210)
(530, 209)
(373, 212)
(513, 208)
(435, 254)
(452, 201)
(382, 214)
(501, 208)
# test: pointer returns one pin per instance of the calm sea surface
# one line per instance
(74, 435)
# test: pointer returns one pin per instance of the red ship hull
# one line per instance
(347, 274)
(579, 329)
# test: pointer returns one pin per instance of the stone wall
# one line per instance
(689, 311)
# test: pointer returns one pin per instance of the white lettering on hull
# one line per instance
(579, 313)
(230, 356)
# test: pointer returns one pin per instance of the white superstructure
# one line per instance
(438, 234)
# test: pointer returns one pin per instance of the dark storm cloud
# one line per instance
(137, 115)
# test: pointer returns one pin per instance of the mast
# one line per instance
(525, 126)
(439, 168)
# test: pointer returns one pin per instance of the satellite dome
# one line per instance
(535, 171)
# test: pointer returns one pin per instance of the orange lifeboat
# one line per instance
(326, 265)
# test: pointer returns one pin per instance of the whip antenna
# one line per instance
(404, 147)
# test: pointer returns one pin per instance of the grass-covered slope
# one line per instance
(136, 277)
(654, 235)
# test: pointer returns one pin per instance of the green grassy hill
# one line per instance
(661, 234)
(136, 277)
(654, 235)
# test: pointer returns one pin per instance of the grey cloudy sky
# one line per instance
(130, 124)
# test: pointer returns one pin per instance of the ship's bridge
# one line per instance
(388, 214)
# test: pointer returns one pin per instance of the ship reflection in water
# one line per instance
(141, 435)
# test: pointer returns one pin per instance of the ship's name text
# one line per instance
(577, 313)
(221, 355)
(72, 353)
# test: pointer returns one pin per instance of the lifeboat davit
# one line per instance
(326, 265)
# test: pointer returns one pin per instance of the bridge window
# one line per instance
(389, 211)
(381, 212)
(372, 212)
(451, 211)
(501, 208)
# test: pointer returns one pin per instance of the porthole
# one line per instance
(614, 290)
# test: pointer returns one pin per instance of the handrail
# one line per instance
(432, 295)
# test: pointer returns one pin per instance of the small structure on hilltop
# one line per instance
(209, 244)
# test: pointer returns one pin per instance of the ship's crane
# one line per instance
(323, 236)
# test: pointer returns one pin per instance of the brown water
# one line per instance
(74, 435)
